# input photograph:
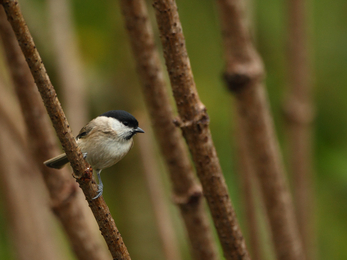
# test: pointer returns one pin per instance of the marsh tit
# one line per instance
(104, 141)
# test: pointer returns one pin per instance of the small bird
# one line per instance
(104, 141)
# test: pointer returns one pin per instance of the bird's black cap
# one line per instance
(123, 117)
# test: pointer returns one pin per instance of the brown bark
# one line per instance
(81, 171)
(44, 85)
(68, 65)
(194, 123)
(67, 200)
(187, 193)
(157, 194)
(247, 174)
(299, 115)
(22, 189)
(244, 75)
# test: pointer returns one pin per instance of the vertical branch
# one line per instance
(299, 116)
(157, 195)
(22, 190)
(247, 174)
(67, 200)
(246, 167)
(44, 85)
(244, 75)
(82, 172)
(194, 123)
(187, 193)
(69, 67)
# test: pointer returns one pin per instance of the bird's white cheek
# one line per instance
(121, 130)
(116, 125)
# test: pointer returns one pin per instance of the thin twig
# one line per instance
(82, 172)
(68, 205)
(299, 116)
(246, 173)
(187, 193)
(246, 170)
(194, 123)
(244, 74)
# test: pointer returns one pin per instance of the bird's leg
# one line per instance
(84, 155)
(100, 186)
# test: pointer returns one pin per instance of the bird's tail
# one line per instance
(57, 162)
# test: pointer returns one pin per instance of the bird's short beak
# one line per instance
(138, 130)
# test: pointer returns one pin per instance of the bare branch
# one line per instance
(299, 115)
(82, 172)
(187, 192)
(194, 123)
(247, 174)
(68, 206)
(243, 74)
(44, 85)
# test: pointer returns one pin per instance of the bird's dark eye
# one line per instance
(125, 123)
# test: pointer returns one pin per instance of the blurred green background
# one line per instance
(112, 83)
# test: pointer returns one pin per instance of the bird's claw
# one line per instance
(99, 192)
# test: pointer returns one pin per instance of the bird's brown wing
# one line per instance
(85, 131)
